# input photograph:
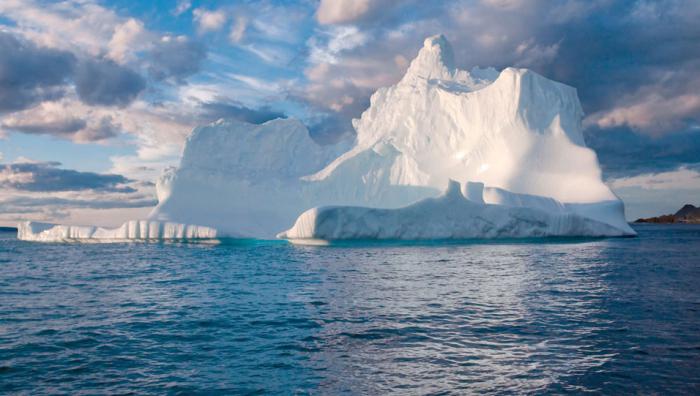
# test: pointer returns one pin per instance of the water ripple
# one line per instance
(603, 316)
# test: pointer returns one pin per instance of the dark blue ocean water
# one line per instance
(608, 316)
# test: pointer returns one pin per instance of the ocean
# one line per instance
(613, 316)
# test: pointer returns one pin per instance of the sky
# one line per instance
(98, 97)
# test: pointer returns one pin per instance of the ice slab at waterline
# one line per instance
(512, 138)
(129, 231)
(450, 216)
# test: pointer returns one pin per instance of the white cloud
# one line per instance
(569, 10)
(238, 29)
(504, 4)
(182, 6)
(128, 38)
(66, 118)
(655, 194)
(82, 26)
(344, 11)
(532, 54)
(650, 112)
(256, 83)
(682, 178)
(269, 54)
(209, 20)
(340, 39)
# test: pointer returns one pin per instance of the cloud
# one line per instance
(182, 7)
(338, 39)
(58, 126)
(65, 119)
(212, 111)
(652, 113)
(504, 4)
(209, 20)
(680, 179)
(29, 203)
(87, 208)
(238, 29)
(345, 11)
(176, 57)
(30, 74)
(531, 54)
(67, 25)
(623, 152)
(658, 193)
(47, 177)
(127, 36)
(329, 128)
(104, 82)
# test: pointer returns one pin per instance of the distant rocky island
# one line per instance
(688, 214)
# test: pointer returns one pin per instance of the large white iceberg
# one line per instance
(513, 139)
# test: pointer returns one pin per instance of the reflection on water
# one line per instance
(613, 316)
(458, 318)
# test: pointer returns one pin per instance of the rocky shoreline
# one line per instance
(688, 214)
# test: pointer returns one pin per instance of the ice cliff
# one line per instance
(512, 139)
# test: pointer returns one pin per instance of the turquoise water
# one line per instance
(609, 316)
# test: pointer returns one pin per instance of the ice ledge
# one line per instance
(134, 230)
(452, 216)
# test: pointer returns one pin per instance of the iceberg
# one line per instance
(508, 145)
(129, 231)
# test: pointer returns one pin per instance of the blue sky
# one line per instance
(92, 89)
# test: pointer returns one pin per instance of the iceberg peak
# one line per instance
(439, 46)
(434, 61)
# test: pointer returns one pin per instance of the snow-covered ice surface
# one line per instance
(514, 131)
(131, 230)
(244, 179)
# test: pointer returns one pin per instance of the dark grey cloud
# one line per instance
(48, 177)
(22, 207)
(630, 53)
(73, 128)
(103, 129)
(61, 127)
(30, 74)
(211, 111)
(104, 82)
(622, 152)
(329, 128)
(26, 204)
(176, 58)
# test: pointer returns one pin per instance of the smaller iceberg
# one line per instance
(143, 230)
(453, 215)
